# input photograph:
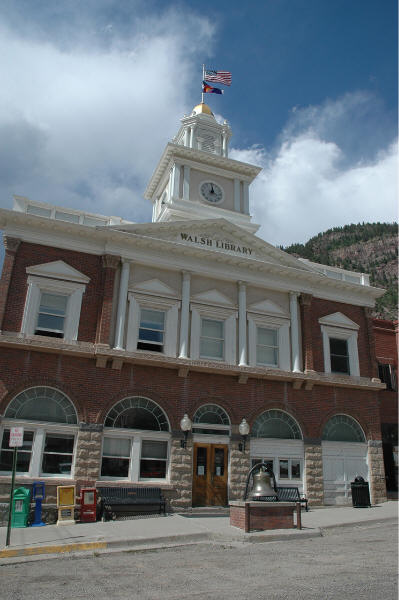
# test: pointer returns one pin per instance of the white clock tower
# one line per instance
(195, 179)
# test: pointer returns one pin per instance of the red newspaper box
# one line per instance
(88, 505)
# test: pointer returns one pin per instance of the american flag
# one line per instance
(218, 76)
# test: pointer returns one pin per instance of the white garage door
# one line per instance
(342, 462)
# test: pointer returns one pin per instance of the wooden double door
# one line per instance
(210, 475)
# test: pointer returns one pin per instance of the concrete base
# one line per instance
(259, 516)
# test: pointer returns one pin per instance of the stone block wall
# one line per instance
(181, 468)
(377, 472)
(314, 486)
(238, 471)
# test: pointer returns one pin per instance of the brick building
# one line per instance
(386, 347)
(112, 331)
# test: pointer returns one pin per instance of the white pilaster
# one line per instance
(242, 324)
(186, 182)
(175, 181)
(245, 189)
(184, 315)
(237, 199)
(295, 358)
(122, 301)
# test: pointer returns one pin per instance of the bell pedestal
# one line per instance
(251, 515)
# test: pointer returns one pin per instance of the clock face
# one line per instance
(211, 192)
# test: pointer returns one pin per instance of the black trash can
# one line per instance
(360, 493)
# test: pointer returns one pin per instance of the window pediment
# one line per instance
(58, 269)
(212, 297)
(338, 320)
(155, 286)
(267, 307)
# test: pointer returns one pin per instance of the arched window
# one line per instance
(342, 428)
(211, 419)
(49, 435)
(135, 455)
(42, 404)
(276, 424)
(137, 413)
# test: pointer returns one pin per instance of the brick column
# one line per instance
(181, 474)
(313, 476)
(11, 246)
(305, 301)
(371, 343)
(110, 264)
(239, 467)
(377, 485)
(88, 455)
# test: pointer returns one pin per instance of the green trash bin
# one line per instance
(20, 507)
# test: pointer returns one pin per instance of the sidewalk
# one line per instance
(173, 530)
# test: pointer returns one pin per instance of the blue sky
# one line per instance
(93, 90)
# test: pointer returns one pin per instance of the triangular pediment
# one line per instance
(58, 269)
(338, 320)
(154, 286)
(267, 306)
(216, 235)
(212, 297)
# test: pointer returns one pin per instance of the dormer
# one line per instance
(201, 131)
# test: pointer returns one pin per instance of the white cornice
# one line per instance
(141, 244)
(175, 151)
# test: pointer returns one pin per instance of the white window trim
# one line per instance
(167, 305)
(350, 336)
(282, 325)
(40, 429)
(38, 285)
(228, 316)
(136, 436)
(276, 467)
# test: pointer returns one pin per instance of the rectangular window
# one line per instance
(152, 330)
(283, 466)
(51, 317)
(387, 375)
(24, 453)
(212, 339)
(295, 469)
(58, 454)
(339, 356)
(266, 346)
(116, 457)
(154, 456)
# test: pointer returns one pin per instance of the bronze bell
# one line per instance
(262, 485)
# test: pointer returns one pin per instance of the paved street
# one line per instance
(351, 563)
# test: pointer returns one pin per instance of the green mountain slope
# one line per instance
(367, 247)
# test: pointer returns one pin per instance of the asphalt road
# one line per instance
(351, 563)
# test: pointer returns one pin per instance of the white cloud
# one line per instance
(86, 124)
(309, 183)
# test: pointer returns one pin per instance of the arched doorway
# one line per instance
(276, 439)
(344, 457)
(211, 431)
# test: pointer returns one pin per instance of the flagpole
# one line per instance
(203, 76)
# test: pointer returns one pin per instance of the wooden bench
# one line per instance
(291, 494)
(129, 501)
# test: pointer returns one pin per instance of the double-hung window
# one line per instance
(212, 339)
(151, 330)
(266, 346)
(387, 375)
(53, 300)
(340, 344)
(23, 456)
(339, 355)
(51, 315)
